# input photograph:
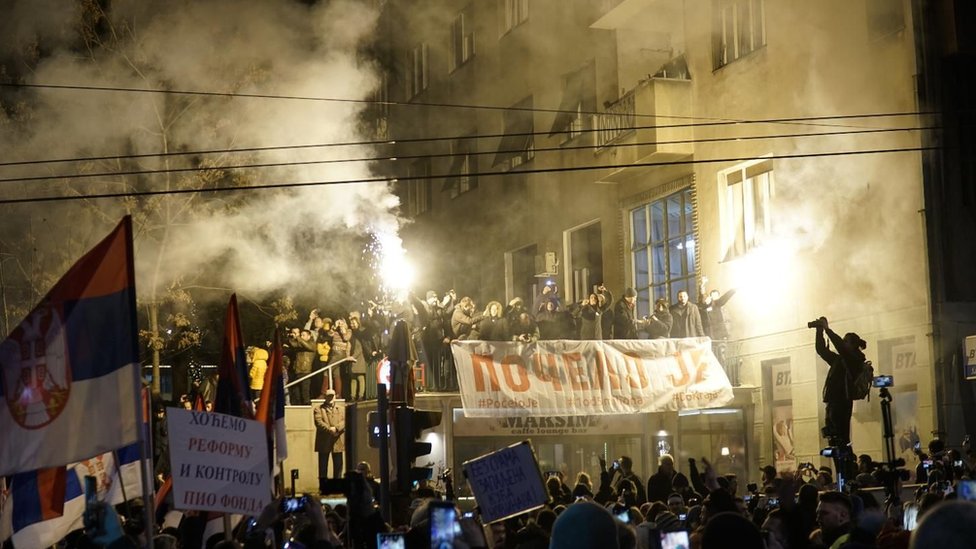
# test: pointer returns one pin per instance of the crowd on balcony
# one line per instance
(436, 320)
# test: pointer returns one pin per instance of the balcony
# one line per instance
(647, 124)
(622, 14)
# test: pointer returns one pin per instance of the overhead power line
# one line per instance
(122, 89)
(445, 155)
(381, 142)
(478, 174)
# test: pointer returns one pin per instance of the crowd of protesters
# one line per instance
(362, 335)
(619, 510)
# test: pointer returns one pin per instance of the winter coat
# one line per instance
(686, 321)
(592, 319)
(330, 426)
(462, 324)
(304, 354)
(493, 329)
(659, 325)
(624, 320)
(259, 365)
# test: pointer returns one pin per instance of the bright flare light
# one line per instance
(396, 273)
(765, 271)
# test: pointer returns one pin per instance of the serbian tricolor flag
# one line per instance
(38, 496)
(271, 407)
(69, 372)
(233, 391)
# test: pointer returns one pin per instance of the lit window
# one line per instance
(748, 192)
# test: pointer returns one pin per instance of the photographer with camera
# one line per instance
(845, 364)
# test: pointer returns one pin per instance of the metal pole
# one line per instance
(329, 368)
(228, 530)
(382, 410)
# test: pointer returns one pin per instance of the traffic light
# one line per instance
(409, 424)
(373, 419)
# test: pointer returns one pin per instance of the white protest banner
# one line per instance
(219, 462)
(575, 378)
(506, 483)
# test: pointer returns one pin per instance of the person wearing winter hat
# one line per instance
(584, 525)
(625, 323)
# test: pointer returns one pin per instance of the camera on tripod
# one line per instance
(883, 381)
(837, 452)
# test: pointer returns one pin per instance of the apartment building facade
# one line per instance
(781, 150)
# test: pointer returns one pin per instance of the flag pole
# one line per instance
(144, 455)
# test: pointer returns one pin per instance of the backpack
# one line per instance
(859, 386)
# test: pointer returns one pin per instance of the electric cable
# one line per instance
(444, 155)
(476, 174)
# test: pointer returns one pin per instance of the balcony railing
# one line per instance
(618, 120)
(657, 102)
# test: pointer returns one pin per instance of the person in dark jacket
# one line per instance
(493, 325)
(591, 313)
(711, 305)
(625, 322)
(304, 347)
(686, 318)
(659, 323)
(844, 365)
(660, 485)
(623, 469)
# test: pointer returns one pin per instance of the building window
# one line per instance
(377, 113)
(462, 177)
(739, 29)
(462, 38)
(517, 146)
(748, 191)
(575, 126)
(663, 249)
(513, 13)
(579, 97)
(418, 188)
(419, 70)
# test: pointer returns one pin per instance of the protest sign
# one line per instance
(507, 482)
(219, 462)
(587, 378)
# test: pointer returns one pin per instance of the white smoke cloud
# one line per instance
(262, 240)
